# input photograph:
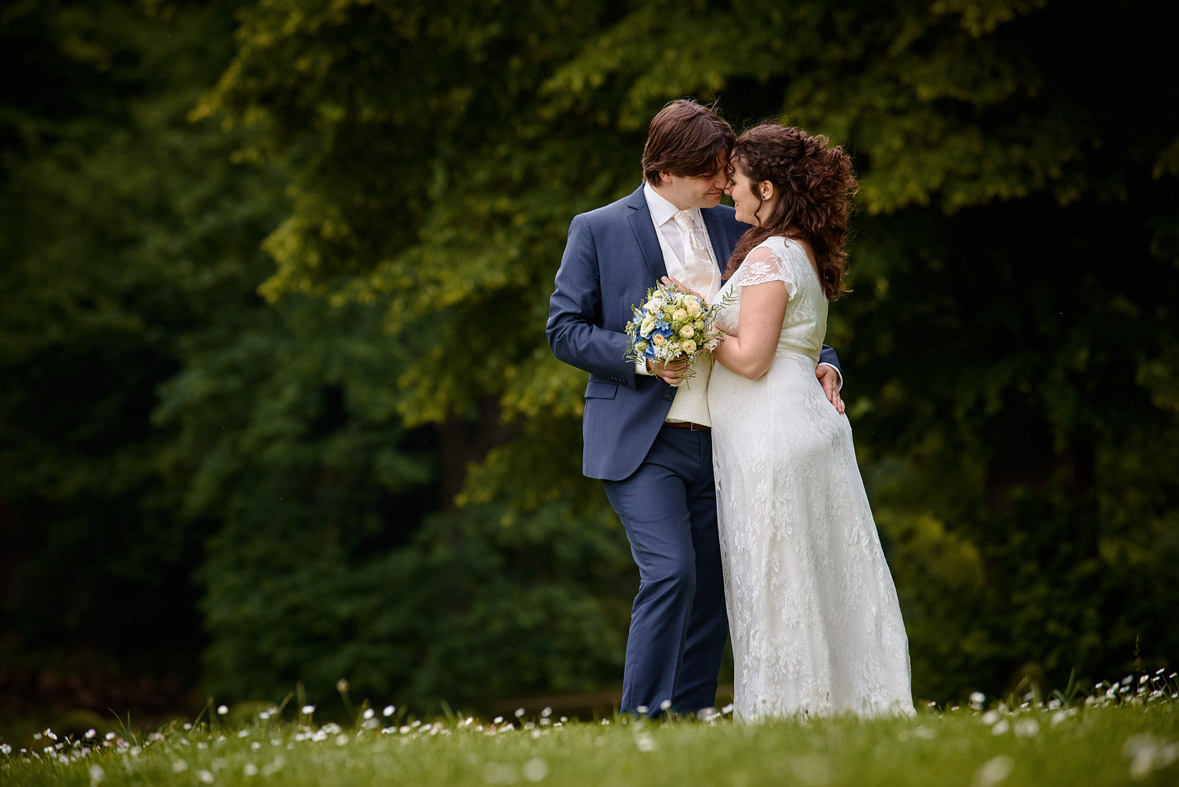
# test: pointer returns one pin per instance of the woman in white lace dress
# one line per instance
(813, 613)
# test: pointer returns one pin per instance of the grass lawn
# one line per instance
(1120, 737)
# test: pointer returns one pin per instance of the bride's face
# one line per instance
(744, 195)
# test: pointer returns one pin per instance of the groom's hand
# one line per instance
(672, 372)
(830, 380)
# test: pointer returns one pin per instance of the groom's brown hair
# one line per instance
(686, 139)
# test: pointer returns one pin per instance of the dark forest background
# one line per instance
(276, 403)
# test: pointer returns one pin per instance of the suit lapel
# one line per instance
(720, 239)
(644, 229)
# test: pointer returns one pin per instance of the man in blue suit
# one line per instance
(646, 431)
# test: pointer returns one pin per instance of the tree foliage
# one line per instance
(1010, 346)
(124, 230)
(1013, 263)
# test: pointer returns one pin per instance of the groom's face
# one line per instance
(696, 191)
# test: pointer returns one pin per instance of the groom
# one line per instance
(646, 435)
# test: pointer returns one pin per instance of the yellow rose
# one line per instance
(689, 346)
(679, 315)
(658, 340)
(687, 331)
(693, 307)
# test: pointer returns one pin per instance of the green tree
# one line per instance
(1010, 340)
(124, 229)
(374, 459)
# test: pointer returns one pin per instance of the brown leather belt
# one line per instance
(686, 425)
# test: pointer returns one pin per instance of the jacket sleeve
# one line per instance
(574, 327)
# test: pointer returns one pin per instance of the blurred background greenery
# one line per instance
(275, 398)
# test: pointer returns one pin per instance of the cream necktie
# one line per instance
(699, 268)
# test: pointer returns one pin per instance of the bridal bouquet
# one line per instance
(671, 324)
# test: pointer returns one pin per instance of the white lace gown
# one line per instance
(813, 613)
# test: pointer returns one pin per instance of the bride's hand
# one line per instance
(682, 287)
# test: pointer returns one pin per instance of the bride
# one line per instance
(814, 618)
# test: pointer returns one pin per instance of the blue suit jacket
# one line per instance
(611, 259)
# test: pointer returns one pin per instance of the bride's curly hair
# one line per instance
(815, 183)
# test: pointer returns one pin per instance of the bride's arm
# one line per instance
(750, 352)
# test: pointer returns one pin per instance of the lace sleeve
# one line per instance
(764, 265)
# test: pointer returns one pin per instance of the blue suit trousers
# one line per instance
(678, 623)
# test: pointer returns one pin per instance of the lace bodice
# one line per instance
(784, 260)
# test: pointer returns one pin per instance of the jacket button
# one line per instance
(669, 396)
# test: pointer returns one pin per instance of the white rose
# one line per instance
(679, 315)
(693, 307)
(687, 331)
(689, 346)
